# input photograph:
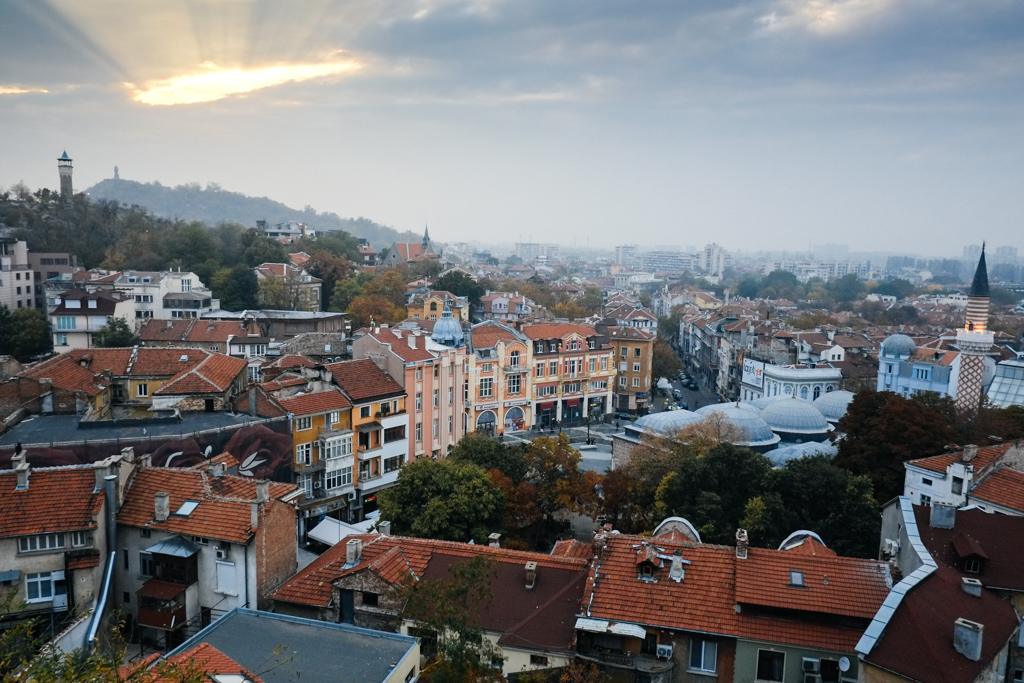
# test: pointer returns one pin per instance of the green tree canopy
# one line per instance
(237, 287)
(460, 284)
(115, 334)
(665, 362)
(30, 335)
(488, 453)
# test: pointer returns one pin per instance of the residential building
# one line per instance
(49, 266)
(245, 646)
(409, 252)
(632, 315)
(529, 619)
(574, 373)
(498, 388)
(432, 370)
(765, 380)
(323, 454)
(288, 232)
(535, 252)
(197, 543)
(381, 425)
(212, 335)
(954, 615)
(283, 325)
(300, 291)
(714, 260)
(669, 608)
(633, 351)
(951, 478)
(907, 370)
(504, 306)
(162, 294)
(431, 304)
(627, 255)
(17, 278)
(671, 261)
(79, 314)
(53, 538)
(368, 253)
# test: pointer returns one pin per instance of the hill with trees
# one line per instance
(212, 204)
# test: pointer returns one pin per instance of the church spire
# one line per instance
(426, 235)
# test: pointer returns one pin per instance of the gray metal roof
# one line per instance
(280, 648)
(783, 454)
(833, 404)
(898, 345)
(744, 417)
(794, 416)
(668, 422)
(175, 546)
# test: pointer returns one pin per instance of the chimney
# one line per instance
(23, 470)
(162, 509)
(531, 575)
(144, 460)
(263, 491)
(17, 459)
(101, 469)
(741, 544)
(969, 453)
(384, 528)
(252, 401)
(217, 469)
(943, 516)
(677, 572)
(254, 516)
(494, 540)
(967, 638)
(412, 341)
(353, 551)
(971, 586)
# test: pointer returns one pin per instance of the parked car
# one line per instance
(692, 386)
(677, 394)
(623, 416)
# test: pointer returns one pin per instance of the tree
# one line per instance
(568, 309)
(778, 281)
(115, 334)
(336, 243)
(882, 431)
(460, 284)
(363, 309)
(846, 288)
(896, 287)
(664, 362)
(488, 453)
(426, 268)
(343, 294)
(6, 330)
(447, 500)
(331, 269)
(553, 467)
(237, 288)
(591, 301)
(257, 249)
(285, 293)
(447, 609)
(30, 335)
(391, 285)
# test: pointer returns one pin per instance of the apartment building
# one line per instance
(79, 314)
(17, 279)
(573, 373)
(633, 351)
(499, 387)
(164, 295)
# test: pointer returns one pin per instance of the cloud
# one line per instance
(823, 16)
(14, 90)
(215, 83)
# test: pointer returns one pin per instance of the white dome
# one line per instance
(794, 416)
(781, 456)
(834, 404)
(666, 423)
(744, 417)
(763, 402)
(898, 345)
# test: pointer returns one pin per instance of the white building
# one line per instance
(714, 260)
(16, 275)
(532, 252)
(80, 313)
(763, 380)
(163, 295)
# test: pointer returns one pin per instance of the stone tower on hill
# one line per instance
(64, 168)
(974, 342)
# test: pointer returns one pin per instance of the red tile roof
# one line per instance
(998, 537)
(810, 546)
(362, 380)
(207, 659)
(289, 360)
(557, 330)
(57, 499)
(65, 373)
(985, 457)
(320, 402)
(85, 560)
(487, 335)
(1004, 487)
(400, 344)
(224, 510)
(572, 548)
(214, 374)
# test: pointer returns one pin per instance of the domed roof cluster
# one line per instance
(753, 431)
(780, 456)
(833, 405)
(666, 423)
(794, 416)
(898, 345)
(448, 330)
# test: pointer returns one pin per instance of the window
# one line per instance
(622, 382)
(201, 540)
(451, 424)
(926, 500)
(62, 340)
(636, 367)
(451, 395)
(770, 665)
(513, 384)
(337, 447)
(145, 564)
(513, 359)
(553, 347)
(370, 599)
(419, 431)
(920, 373)
(546, 391)
(364, 411)
(957, 485)
(419, 373)
(571, 388)
(393, 463)
(636, 382)
(339, 474)
(926, 481)
(703, 655)
(796, 577)
(38, 587)
(599, 385)
(142, 390)
(540, 369)
(303, 423)
(394, 433)
(625, 352)
(622, 366)
(305, 482)
(486, 387)
(593, 364)
(636, 352)
(435, 428)
(226, 577)
(42, 542)
(972, 566)
(303, 453)
(65, 322)
(553, 368)
(419, 400)
(485, 367)
(79, 539)
(435, 397)
(186, 285)
(538, 660)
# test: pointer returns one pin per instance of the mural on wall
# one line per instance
(263, 450)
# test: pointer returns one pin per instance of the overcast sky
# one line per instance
(764, 124)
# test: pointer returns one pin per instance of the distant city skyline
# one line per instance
(759, 124)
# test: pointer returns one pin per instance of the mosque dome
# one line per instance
(898, 345)
(794, 416)
(782, 455)
(666, 423)
(447, 330)
(755, 432)
(718, 407)
(833, 404)
(763, 402)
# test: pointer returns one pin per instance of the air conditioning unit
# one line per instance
(891, 547)
(812, 665)
(665, 651)
(316, 484)
(812, 678)
(223, 551)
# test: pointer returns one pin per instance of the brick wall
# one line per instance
(383, 616)
(276, 544)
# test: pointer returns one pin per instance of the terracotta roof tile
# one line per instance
(810, 546)
(65, 373)
(1004, 487)
(57, 499)
(557, 330)
(362, 379)
(319, 402)
(572, 548)
(212, 375)
(208, 331)
(83, 560)
(224, 510)
(289, 360)
(400, 344)
(984, 457)
(153, 330)
(210, 661)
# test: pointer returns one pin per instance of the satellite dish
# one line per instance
(844, 664)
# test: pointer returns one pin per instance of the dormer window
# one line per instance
(796, 578)
(646, 571)
(972, 566)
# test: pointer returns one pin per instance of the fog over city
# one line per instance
(765, 124)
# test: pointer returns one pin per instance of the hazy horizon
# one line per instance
(760, 125)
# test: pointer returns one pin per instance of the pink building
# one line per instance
(432, 370)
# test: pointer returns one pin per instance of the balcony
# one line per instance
(508, 369)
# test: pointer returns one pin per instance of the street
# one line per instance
(694, 399)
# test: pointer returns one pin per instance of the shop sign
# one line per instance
(486, 406)
(509, 404)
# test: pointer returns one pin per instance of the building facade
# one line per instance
(164, 295)
(633, 351)
(17, 288)
(499, 389)
(79, 314)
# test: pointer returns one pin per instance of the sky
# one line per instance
(893, 125)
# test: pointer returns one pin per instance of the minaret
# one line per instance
(64, 168)
(974, 342)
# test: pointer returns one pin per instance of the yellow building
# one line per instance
(430, 306)
(633, 355)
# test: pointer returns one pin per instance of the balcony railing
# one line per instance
(169, 620)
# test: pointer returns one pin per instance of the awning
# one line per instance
(616, 627)
(176, 547)
(572, 402)
(546, 406)
(161, 590)
(369, 427)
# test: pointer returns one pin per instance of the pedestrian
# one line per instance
(696, 404)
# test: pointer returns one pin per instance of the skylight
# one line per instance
(796, 577)
(187, 508)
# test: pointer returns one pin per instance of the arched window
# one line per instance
(817, 393)
(803, 393)
(514, 359)
(433, 305)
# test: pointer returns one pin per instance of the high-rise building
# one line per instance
(626, 255)
(64, 169)
(974, 342)
(714, 259)
(1006, 255)
(972, 252)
